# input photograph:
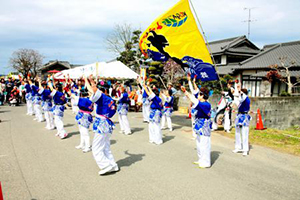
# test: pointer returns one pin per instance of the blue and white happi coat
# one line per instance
(155, 115)
(36, 99)
(58, 110)
(103, 125)
(167, 111)
(47, 105)
(84, 119)
(28, 96)
(242, 120)
(202, 126)
(122, 108)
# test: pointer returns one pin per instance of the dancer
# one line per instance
(155, 135)
(168, 109)
(46, 104)
(103, 127)
(84, 119)
(36, 100)
(123, 106)
(146, 106)
(58, 109)
(202, 126)
(28, 97)
(242, 122)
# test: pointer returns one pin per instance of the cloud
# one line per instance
(75, 30)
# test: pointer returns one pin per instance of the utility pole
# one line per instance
(249, 20)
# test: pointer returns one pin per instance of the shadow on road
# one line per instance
(3, 121)
(73, 133)
(130, 159)
(214, 156)
(168, 138)
(68, 125)
(136, 129)
(181, 120)
(113, 142)
(4, 111)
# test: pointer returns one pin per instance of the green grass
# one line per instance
(282, 140)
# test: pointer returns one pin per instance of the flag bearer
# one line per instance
(202, 126)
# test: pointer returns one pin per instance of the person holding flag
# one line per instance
(202, 126)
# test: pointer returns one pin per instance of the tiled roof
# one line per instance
(271, 55)
(229, 44)
(223, 70)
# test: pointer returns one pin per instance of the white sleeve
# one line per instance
(195, 104)
(191, 87)
(53, 93)
(95, 97)
(41, 90)
(151, 96)
(76, 101)
(242, 97)
(196, 91)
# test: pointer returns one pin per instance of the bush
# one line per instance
(285, 94)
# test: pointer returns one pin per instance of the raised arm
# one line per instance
(191, 97)
(91, 87)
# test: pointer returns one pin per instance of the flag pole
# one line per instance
(206, 42)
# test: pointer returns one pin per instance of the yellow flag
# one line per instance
(175, 33)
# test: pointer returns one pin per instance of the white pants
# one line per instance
(60, 126)
(227, 125)
(101, 150)
(84, 138)
(241, 138)
(29, 107)
(75, 109)
(169, 122)
(49, 119)
(193, 121)
(124, 124)
(38, 112)
(146, 112)
(203, 150)
(155, 135)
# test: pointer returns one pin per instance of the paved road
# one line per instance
(34, 164)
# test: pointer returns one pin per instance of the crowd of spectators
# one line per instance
(12, 92)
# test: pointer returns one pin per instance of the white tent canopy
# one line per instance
(115, 69)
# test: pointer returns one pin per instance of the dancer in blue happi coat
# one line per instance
(103, 127)
(28, 97)
(58, 109)
(146, 106)
(84, 119)
(242, 122)
(202, 126)
(156, 106)
(123, 106)
(46, 104)
(36, 101)
(168, 109)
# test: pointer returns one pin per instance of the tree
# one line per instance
(172, 71)
(26, 60)
(124, 42)
(283, 72)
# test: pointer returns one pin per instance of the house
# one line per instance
(55, 65)
(252, 72)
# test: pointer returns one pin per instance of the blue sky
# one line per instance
(75, 30)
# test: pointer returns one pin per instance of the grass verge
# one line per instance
(282, 140)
